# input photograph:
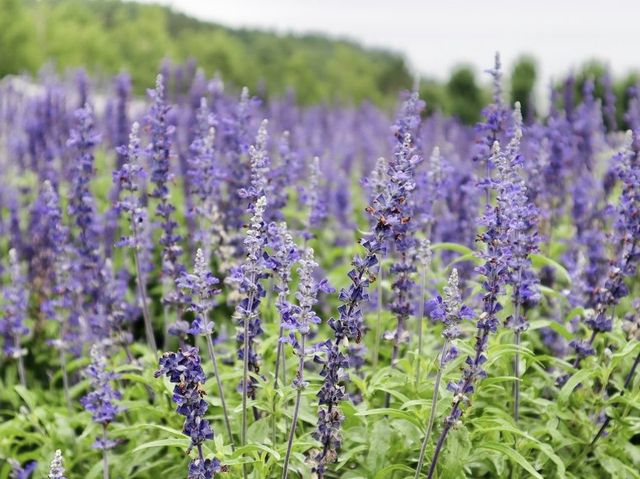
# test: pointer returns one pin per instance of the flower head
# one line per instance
(56, 469)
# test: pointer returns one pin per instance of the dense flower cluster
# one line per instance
(14, 309)
(184, 370)
(101, 400)
(56, 469)
(159, 153)
(19, 472)
(507, 211)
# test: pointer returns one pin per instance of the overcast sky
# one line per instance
(436, 35)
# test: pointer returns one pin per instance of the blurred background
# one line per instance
(338, 50)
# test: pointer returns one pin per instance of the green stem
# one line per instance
(420, 317)
(296, 410)
(434, 404)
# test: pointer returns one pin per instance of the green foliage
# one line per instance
(464, 95)
(523, 79)
(106, 36)
(18, 46)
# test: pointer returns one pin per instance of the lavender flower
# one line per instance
(249, 277)
(285, 254)
(451, 312)
(19, 472)
(129, 178)
(347, 327)
(101, 401)
(312, 199)
(495, 270)
(521, 239)
(492, 129)
(47, 237)
(260, 167)
(627, 239)
(120, 136)
(299, 322)
(204, 174)
(83, 211)
(235, 141)
(14, 313)
(201, 287)
(184, 370)
(159, 152)
(56, 469)
(401, 175)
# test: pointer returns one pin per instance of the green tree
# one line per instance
(465, 97)
(523, 81)
(18, 45)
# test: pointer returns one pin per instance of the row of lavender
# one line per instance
(201, 178)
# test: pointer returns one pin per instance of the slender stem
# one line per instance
(398, 334)
(457, 401)
(296, 410)
(142, 293)
(21, 371)
(216, 371)
(516, 373)
(278, 357)
(65, 377)
(379, 306)
(245, 375)
(434, 404)
(420, 318)
(517, 341)
(105, 459)
(516, 367)
(436, 453)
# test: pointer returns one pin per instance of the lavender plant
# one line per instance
(299, 322)
(201, 287)
(495, 272)
(14, 311)
(56, 469)
(183, 368)
(451, 312)
(129, 179)
(249, 276)
(101, 402)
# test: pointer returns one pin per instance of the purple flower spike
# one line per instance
(101, 401)
(185, 371)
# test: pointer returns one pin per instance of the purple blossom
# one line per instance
(185, 371)
(159, 153)
(83, 139)
(101, 401)
(627, 253)
(200, 288)
(56, 469)
(14, 311)
(19, 472)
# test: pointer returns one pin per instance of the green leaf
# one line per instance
(539, 260)
(392, 413)
(256, 447)
(385, 472)
(379, 445)
(181, 443)
(458, 248)
(27, 396)
(515, 456)
(572, 383)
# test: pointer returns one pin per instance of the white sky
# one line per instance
(436, 35)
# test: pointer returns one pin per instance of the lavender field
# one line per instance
(211, 282)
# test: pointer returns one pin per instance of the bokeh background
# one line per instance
(337, 50)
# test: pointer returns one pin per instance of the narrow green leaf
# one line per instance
(511, 454)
